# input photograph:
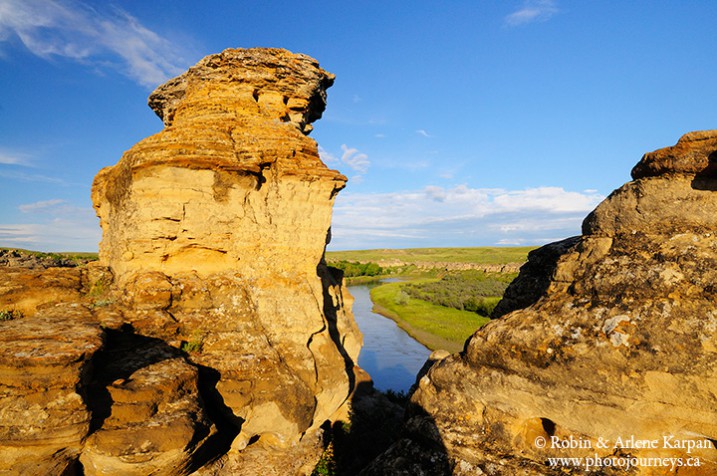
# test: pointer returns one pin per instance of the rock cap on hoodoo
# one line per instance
(295, 78)
(695, 153)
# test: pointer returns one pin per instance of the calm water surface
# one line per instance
(389, 355)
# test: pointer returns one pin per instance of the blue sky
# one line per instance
(459, 123)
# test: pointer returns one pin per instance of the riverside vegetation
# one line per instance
(440, 295)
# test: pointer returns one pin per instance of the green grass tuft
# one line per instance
(10, 314)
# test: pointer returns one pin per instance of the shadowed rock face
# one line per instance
(222, 336)
(610, 335)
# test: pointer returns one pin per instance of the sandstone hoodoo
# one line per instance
(604, 347)
(226, 342)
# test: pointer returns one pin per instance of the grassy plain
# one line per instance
(482, 255)
(62, 254)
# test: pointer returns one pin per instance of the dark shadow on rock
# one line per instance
(417, 451)
(227, 423)
(333, 277)
(376, 422)
(123, 353)
(534, 278)
(707, 178)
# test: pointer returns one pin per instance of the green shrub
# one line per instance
(327, 464)
(195, 343)
(402, 298)
(10, 314)
(473, 291)
(353, 269)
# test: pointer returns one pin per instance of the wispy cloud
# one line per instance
(327, 157)
(458, 216)
(532, 11)
(351, 157)
(56, 226)
(423, 132)
(358, 161)
(25, 177)
(9, 157)
(42, 206)
(99, 38)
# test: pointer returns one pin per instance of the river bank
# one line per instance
(436, 327)
(390, 355)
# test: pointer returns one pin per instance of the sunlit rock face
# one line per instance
(232, 182)
(603, 337)
(211, 337)
(215, 230)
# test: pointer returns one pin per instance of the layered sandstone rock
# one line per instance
(211, 337)
(605, 337)
(44, 364)
(232, 182)
(148, 415)
(215, 230)
(25, 290)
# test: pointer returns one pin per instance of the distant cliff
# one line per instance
(210, 337)
(604, 347)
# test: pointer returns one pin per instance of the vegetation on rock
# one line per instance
(10, 314)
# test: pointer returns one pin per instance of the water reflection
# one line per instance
(389, 355)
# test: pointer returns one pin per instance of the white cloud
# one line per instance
(42, 206)
(327, 157)
(8, 157)
(74, 30)
(422, 132)
(532, 11)
(458, 216)
(23, 177)
(351, 157)
(61, 227)
(358, 161)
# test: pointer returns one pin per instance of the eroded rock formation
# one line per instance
(221, 342)
(604, 337)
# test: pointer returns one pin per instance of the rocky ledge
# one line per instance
(603, 348)
(210, 337)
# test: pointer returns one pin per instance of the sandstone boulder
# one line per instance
(45, 362)
(602, 338)
(148, 414)
(24, 290)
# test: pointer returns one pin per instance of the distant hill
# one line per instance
(439, 257)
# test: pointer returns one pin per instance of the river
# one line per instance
(389, 354)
